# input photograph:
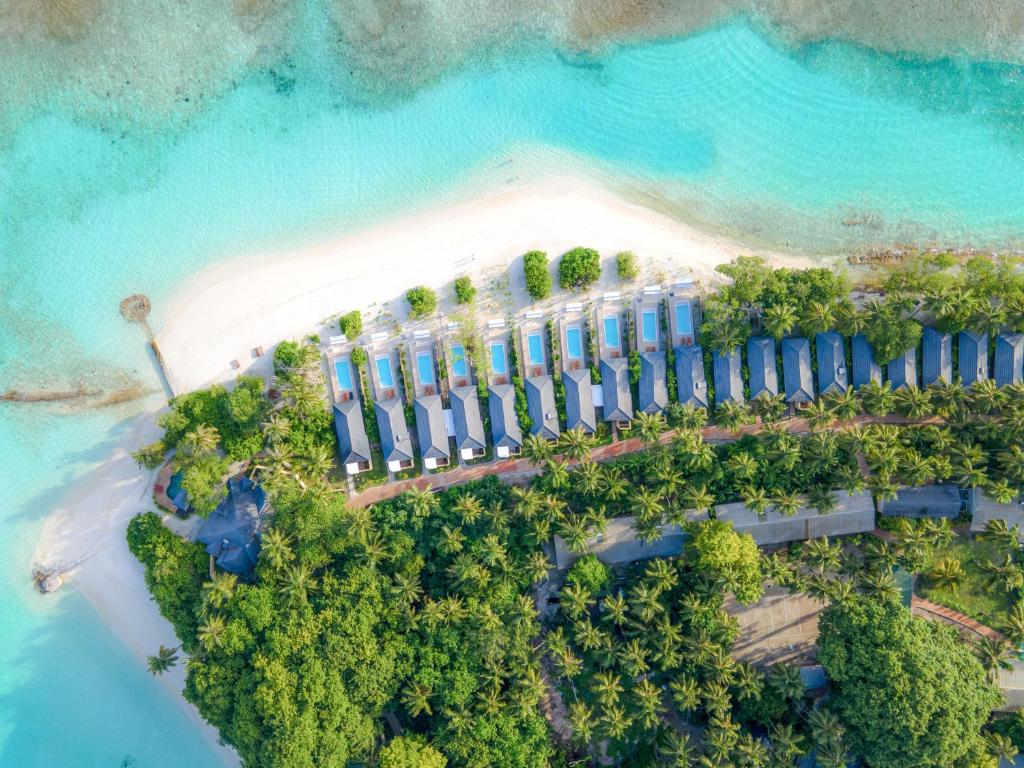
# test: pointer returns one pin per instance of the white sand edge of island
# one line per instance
(225, 311)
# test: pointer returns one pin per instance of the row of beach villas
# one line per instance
(657, 320)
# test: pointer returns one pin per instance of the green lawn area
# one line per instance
(974, 596)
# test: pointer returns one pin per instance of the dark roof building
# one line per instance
(865, 368)
(691, 381)
(505, 431)
(232, 532)
(353, 445)
(831, 362)
(764, 375)
(431, 431)
(1009, 365)
(936, 357)
(579, 400)
(618, 402)
(395, 442)
(973, 357)
(540, 403)
(728, 370)
(653, 391)
(902, 371)
(469, 427)
(796, 369)
(924, 501)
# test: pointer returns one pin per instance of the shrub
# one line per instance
(590, 573)
(352, 324)
(538, 279)
(411, 752)
(626, 263)
(579, 268)
(465, 291)
(358, 357)
(422, 302)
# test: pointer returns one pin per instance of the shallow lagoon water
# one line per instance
(820, 149)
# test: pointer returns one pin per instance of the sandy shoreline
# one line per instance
(225, 311)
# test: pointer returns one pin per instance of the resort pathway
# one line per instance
(930, 610)
(520, 470)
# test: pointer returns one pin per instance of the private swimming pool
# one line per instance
(535, 349)
(684, 318)
(425, 368)
(611, 332)
(344, 373)
(499, 364)
(459, 365)
(649, 319)
(574, 342)
(384, 374)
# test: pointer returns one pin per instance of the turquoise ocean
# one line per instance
(818, 148)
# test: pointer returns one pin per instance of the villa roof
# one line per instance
(395, 443)
(764, 375)
(852, 514)
(691, 381)
(865, 368)
(540, 403)
(1009, 365)
(973, 358)
(232, 532)
(430, 428)
(796, 369)
(831, 362)
(936, 357)
(653, 389)
(618, 401)
(902, 371)
(353, 446)
(505, 429)
(728, 370)
(924, 501)
(469, 426)
(579, 400)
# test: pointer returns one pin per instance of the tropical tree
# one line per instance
(296, 583)
(163, 660)
(576, 444)
(537, 449)
(994, 655)
(818, 415)
(878, 399)
(416, 699)
(648, 427)
(947, 572)
(843, 403)
(779, 319)
(211, 633)
(912, 402)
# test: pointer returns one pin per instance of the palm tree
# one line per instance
(1001, 491)
(817, 317)
(277, 428)
(913, 402)
(219, 590)
(422, 501)
(469, 508)
(275, 547)
(787, 744)
(164, 659)
(648, 427)
(786, 503)
(1001, 747)
(821, 555)
(994, 655)
(755, 499)
(607, 686)
(537, 449)
(685, 693)
(821, 498)
(416, 698)
(947, 397)
(733, 415)
(647, 700)
(576, 444)
(201, 441)
(998, 532)
(724, 337)
(614, 721)
(832, 756)
(537, 566)
(779, 319)
(211, 633)
(844, 404)
(818, 415)
(576, 600)
(296, 583)
(661, 574)
(691, 417)
(698, 498)
(748, 682)
(878, 398)
(319, 462)
(786, 681)
(879, 584)
(674, 749)
(581, 720)
(556, 474)
(589, 477)
(947, 572)
(985, 396)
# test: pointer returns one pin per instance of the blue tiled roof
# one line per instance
(831, 362)
(865, 368)
(353, 445)
(504, 426)
(469, 427)
(1009, 365)
(395, 443)
(540, 403)
(232, 532)
(579, 400)
(764, 376)
(796, 369)
(618, 402)
(936, 357)
(728, 371)
(653, 390)
(902, 371)
(973, 357)
(430, 429)
(691, 382)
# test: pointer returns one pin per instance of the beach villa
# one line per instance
(796, 370)
(728, 371)
(653, 390)
(864, 367)
(431, 433)
(506, 435)
(831, 354)
(539, 386)
(395, 442)
(616, 398)
(576, 377)
(691, 380)
(353, 445)
(764, 375)
(1009, 362)
(682, 315)
(232, 532)
(936, 357)
(470, 440)
(973, 357)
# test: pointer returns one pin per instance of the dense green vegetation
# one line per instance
(538, 278)
(465, 291)
(422, 302)
(579, 269)
(351, 324)
(627, 266)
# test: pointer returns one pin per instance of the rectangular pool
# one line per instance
(535, 349)
(649, 318)
(425, 368)
(384, 375)
(574, 342)
(344, 373)
(459, 365)
(499, 364)
(684, 319)
(611, 332)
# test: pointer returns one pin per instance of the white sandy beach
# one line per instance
(224, 312)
